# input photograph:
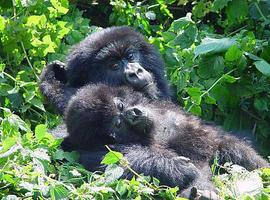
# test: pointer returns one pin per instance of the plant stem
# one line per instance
(28, 61)
(260, 11)
(214, 84)
(130, 169)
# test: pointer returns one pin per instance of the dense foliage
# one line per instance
(217, 54)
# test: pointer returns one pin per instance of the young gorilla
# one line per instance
(152, 135)
(115, 56)
(92, 122)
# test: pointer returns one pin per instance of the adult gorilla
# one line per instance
(115, 56)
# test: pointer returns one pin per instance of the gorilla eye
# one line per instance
(130, 56)
(120, 106)
(115, 67)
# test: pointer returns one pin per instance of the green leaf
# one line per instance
(60, 5)
(263, 67)
(260, 64)
(194, 91)
(195, 94)
(233, 53)
(212, 46)
(209, 100)
(196, 110)
(261, 104)
(181, 23)
(211, 66)
(229, 78)
(58, 192)
(168, 36)
(111, 158)
(4, 89)
(201, 8)
(2, 23)
(16, 100)
(40, 131)
(113, 172)
(36, 20)
(237, 11)
(37, 103)
(121, 187)
(264, 7)
(186, 38)
(219, 4)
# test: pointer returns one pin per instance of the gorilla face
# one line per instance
(99, 115)
(118, 56)
(130, 120)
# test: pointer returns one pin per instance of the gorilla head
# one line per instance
(117, 56)
(97, 115)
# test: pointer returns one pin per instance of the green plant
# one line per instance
(32, 33)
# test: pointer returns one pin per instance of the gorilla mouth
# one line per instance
(146, 86)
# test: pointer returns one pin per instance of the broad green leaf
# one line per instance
(195, 95)
(71, 157)
(40, 131)
(58, 192)
(211, 66)
(229, 78)
(111, 158)
(233, 53)
(4, 89)
(181, 23)
(37, 103)
(209, 100)
(194, 91)
(212, 46)
(260, 64)
(261, 104)
(168, 36)
(252, 56)
(237, 11)
(264, 6)
(187, 37)
(2, 23)
(196, 110)
(201, 8)
(16, 100)
(60, 5)
(113, 172)
(219, 4)
(121, 187)
(263, 67)
(36, 20)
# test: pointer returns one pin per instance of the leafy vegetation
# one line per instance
(217, 54)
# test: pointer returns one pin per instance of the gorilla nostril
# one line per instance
(139, 70)
(132, 75)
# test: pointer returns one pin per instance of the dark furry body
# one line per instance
(90, 60)
(154, 151)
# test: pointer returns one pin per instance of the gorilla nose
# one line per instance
(137, 76)
(133, 115)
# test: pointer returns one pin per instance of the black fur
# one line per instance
(152, 135)
(90, 62)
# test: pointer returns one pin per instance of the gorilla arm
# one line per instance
(168, 167)
(53, 87)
